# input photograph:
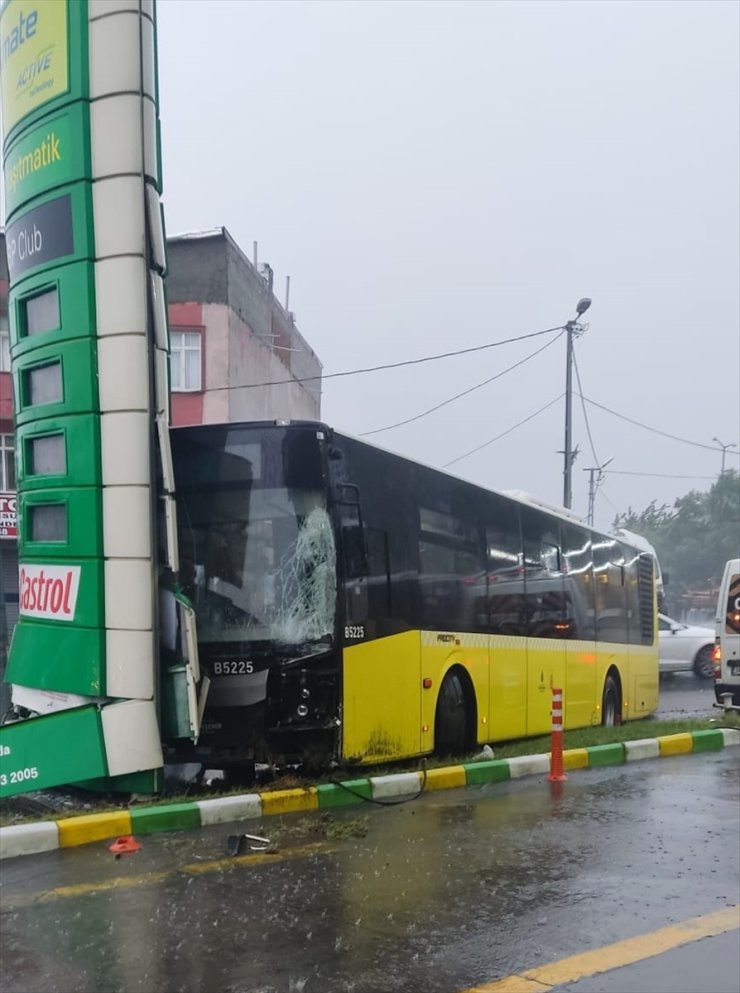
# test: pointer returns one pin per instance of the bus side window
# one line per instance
(378, 573)
(355, 555)
(505, 573)
(353, 541)
(367, 591)
(609, 586)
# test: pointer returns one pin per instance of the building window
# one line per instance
(4, 344)
(185, 361)
(7, 463)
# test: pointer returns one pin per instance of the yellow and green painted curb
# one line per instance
(67, 832)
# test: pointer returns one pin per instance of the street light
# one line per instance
(569, 456)
(724, 449)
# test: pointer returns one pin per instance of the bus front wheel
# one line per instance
(610, 709)
(451, 723)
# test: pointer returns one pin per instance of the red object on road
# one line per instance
(556, 749)
(125, 844)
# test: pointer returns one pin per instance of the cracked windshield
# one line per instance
(259, 561)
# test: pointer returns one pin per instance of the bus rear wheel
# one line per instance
(451, 720)
(610, 709)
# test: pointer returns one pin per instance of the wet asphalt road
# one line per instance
(453, 890)
(706, 966)
(682, 696)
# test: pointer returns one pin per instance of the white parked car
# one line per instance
(685, 648)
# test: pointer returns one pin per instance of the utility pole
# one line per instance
(572, 327)
(724, 449)
(593, 486)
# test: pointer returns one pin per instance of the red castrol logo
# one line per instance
(49, 591)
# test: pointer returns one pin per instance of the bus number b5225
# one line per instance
(240, 668)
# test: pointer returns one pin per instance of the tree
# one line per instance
(695, 538)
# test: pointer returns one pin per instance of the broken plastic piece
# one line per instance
(262, 843)
(234, 845)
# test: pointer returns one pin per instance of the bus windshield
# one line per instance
(258, 558)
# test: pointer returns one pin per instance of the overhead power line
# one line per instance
(583, 408)
(673, 437)
(663, 475)
(388, 365)
(503, 433)
(457, 396)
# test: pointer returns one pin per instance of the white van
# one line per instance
(727, 644)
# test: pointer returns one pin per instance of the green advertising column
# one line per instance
(89, 352)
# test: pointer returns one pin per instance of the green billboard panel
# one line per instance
(56, 228)
(44, 59)
(57, 658)
(56, 380)
(56, 304)
(54, 153)
(150, 781)
(62, 522)
(49, 751)
(60, 594)
(58, 451)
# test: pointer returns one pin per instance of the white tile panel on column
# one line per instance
(119, 216)
(126, 522)
(104, 8)
(119, 34)
(115, 135)
(120, 295)
(124, 443)
(128, 594)
(131, 736)
(123, 361)
(129, 670)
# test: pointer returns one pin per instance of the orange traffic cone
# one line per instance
(124, 845)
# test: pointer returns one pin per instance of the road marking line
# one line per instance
(252, 860)
(621, 953)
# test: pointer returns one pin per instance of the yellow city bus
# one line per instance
(356, 606)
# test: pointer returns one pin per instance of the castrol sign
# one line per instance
(49, 591)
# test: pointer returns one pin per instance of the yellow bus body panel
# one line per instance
(545, 670)
(644, 684)
(507, 703)
(381, 716)
(389, 714)
(441, 651)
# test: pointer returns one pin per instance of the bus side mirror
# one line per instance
(355, 553)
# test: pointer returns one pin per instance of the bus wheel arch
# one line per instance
(455, 717)
(611, 699)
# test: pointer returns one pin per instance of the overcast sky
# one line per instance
(437, 176)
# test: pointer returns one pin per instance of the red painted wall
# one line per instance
(187, 408)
